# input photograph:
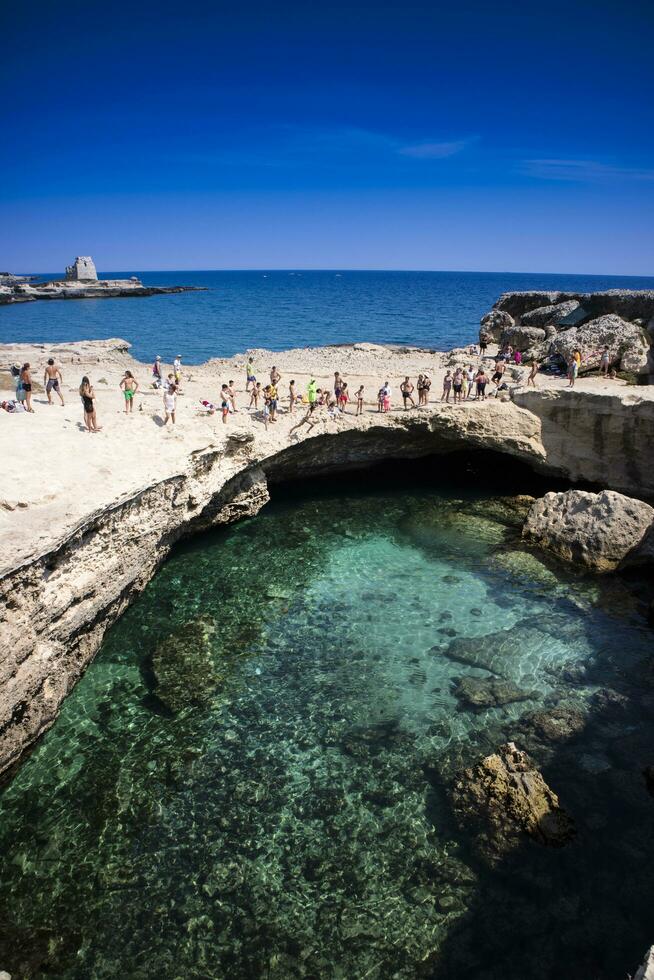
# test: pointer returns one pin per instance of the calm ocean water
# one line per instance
(284, 309)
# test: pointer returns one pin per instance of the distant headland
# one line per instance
(80, 282)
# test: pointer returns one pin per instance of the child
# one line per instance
(170, 401)
(344, 397)
(254, 396)
(224, 402)
(359, 398)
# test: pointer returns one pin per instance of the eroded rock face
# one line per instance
(523, 338)
(628, 346)
(505, 799)
(568, 314)
(494, 322)
(601, 531)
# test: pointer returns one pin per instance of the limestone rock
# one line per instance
(494, 322)
(504, 799)
(601, 531)
(82, 269)
(519, 303)
(185, 665)
(568, 314)
(627, 343)
(558, 724)
(646, 970)
(483, 692)
(522, 338)
(495, 652)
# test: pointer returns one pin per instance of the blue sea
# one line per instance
(282, 309)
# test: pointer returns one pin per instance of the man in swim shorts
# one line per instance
(250, 374)
(52, 378)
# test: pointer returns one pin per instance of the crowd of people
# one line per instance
(459, 384)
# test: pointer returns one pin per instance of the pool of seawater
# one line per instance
(251, 780)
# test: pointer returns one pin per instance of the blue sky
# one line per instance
(416, 135)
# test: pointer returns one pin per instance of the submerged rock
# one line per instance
(495, 652)
(555, 725)
(489, 692)
(184, 665)
(504, 799)
(601, 531)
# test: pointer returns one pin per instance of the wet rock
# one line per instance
(184, 665)
(475, 612)
(557, 724)
(447, 631)
(484, 692)
(495, 652)
(601, 531)
(504, 799)
(444, 616)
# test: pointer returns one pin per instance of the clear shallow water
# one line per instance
(249, 781)
(278, 310)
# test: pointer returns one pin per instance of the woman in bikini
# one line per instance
(87, 395)
(531, 380)
(292, 396)
(129, 386)
(359, 398)
(447, 387)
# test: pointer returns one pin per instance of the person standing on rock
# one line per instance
(275, 376)
(25, 379)
(157, 373)
(359, 397)
(447, 386)
(482, 381)
(87, 394)
(500, 368)
(457, 384)
(531, 380)
(250, 374)
(52, 378)
(232, 396)
(312, 391)
(177, 370)
(129, 386)
(407, 392)
(573, 369)
(604, 362)
(470, 381)
(170, 402)
(483, 344)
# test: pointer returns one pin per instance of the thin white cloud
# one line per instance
(581, 170)
(434, 151)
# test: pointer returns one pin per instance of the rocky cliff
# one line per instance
(59, 597)
(552, 325)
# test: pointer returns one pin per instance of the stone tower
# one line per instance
(82, 269)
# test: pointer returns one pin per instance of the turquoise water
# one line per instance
(252, 778)
(278, 310)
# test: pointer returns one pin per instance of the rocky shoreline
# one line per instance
(78, 549)
(23, 289)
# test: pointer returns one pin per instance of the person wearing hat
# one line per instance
(157, 373)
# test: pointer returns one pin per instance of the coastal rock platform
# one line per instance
(86, 519)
